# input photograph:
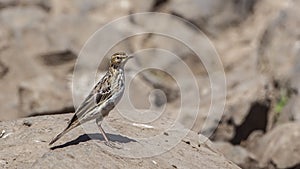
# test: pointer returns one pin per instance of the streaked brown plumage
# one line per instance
(103, 97)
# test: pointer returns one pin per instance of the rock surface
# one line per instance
(25, 145)
(279, 147)
(37, 98)
(237, 154)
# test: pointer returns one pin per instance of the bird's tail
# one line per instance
(60, 135)
(74, 122)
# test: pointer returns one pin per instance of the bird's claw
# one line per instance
(112, 145)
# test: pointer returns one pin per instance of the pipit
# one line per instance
(103, 98)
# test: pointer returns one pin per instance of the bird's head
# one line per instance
(119, 59)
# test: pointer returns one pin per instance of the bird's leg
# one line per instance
(107, 142)
(103, 133)
(99, 121)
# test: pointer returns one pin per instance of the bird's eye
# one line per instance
(118, 58)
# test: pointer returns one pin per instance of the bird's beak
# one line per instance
(130, 57)
(127, 58)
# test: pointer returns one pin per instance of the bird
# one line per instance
(103, 97)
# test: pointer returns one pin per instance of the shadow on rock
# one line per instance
(95, 136)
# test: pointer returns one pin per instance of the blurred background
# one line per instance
(258, 43)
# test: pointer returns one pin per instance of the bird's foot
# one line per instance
(113, 145)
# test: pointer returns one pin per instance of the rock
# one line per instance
(240, 101)
(274, 57)
(57, 58)
(279, 146)
(239, 97)
(44, 95)
(159, 79)
(212, 16)
(24, 30)
(3, 69)
(278, 68)
(69, 38)
(295, 115)
(43, 4)
(5, 38)
(18, 18)
(53, 86)
(138, 93)
(175, 68)
(225, 132)
(290, 111)
(27, 147)
(247, 84)
(236, 154)
(141, 6)
(100, 11)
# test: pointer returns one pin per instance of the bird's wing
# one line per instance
(101, 92)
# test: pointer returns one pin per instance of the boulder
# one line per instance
(280, 146)
(44, 95)
(239, 155)
(24, 144)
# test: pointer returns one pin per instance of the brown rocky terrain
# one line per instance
(25, 145)
(46, 69)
